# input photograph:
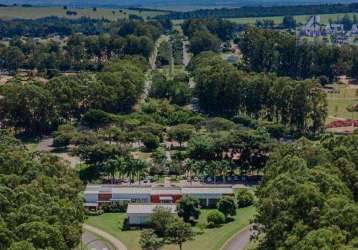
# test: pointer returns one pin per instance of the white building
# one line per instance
(97, 195)
(312, 27)
(139, 214)
(207, 196)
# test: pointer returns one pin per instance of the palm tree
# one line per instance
(115, 166)
(136, 166)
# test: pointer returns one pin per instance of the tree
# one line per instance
(149, 241)
(136, 166)
(150, 141)
(215, 218)
(181, 133)
(203, 40)
(160, 219)
(37, 214)
(244, 198)
(179, 232)
(64, 135)
(28, 108)
(289, 22)
(22, 245)
(227, 206)
(188, 208)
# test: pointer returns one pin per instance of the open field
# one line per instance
(210, 239)
(301, 19)
(39, 12)
(338, 102)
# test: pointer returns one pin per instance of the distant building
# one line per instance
(139, 214)
(354, 29)
(333, 29)
(312, 27)
(99, 195)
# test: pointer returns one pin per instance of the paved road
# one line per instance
(90, 241)
(111, 239)
(240, 240)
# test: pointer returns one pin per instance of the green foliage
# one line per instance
(164, 56)
(149, 240)
(150, 141)
(188, 208)
(27, 107)
(181, 133)
(179, 232)
(245, 198)
(288, 22)
(176, 90)
(64, 135)
(271, 51)
(308, 196)
(203, 40)
(96, 118)
(222, 89)
(162, 112)
(38, 211)
(227, 206)
(160, 219)
(215, 218)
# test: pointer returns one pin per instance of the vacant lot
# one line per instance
(38, 12)
(210, 239)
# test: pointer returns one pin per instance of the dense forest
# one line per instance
(260, 11)
(36, 108)
(39, 196)
(308, 198)
(282, 53)
(224, 90)
(79, 51)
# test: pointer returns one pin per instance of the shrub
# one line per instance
(94, 213)
(227, 206)
(245, 198)
(116, 207)
(150, 141)
(215, 218)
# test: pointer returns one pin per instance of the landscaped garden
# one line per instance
(207, 238)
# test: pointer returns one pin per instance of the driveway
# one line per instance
(239, 241)
(91, 241)
(106, 236)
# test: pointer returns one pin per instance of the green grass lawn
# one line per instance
(300, 19)
(338, 102)
(39, 12)
(210, 239)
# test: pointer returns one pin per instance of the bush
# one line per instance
(94, 213)
(245, 198)
(215, 218)
(116, 207)
(150, 141)
(227, 206)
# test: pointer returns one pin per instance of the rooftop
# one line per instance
(149, 208)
